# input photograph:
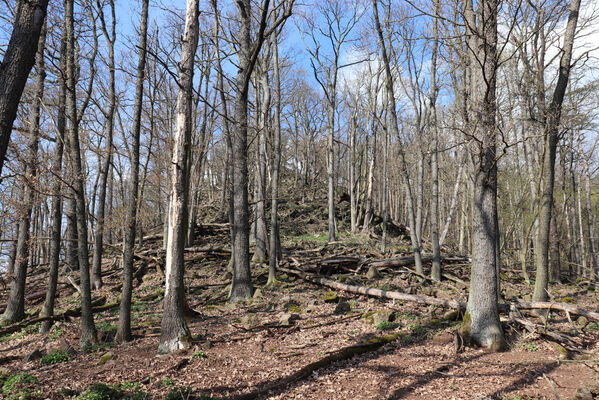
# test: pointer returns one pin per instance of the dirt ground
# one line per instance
(245, 350)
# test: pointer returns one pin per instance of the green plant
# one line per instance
(179, 393)
(106, 327)
(387, 325)
(167, 382)
(20, 387)
(198, 354)
(100, 391)
(531, 347)
(56, 331)
(594, 326)
(56, 357)
(31, 329)
(406, 339)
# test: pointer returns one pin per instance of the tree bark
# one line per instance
(15, 309)
(275, 241)
(124, 328)
(48, 309)
(175, 334)
(17, 63)
(88, 329)
(481, 321)
(552, 119)
(96, 280)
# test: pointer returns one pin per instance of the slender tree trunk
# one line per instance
(124, 329)
(275, 241)
(261, 253)
(436, 265)
(551, 138)
(48, 309)
(175, 334)
(331, 164)
(88, 329)
(15, 309)
(105, 171)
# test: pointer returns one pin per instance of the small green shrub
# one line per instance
(100, 391)
(179, 393)
(56, 357)
(198, 355)
(387, 325)
(594, 326)
(167, 382)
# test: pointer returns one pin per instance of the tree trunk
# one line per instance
(15, 309)
(48, 309)
(88, 329)
(481, 321)
(436, 266)
(96, 281)
(124, 329)
(175, 334)
(18, 60)
(551, 137)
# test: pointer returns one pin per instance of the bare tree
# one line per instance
(17, 63)
(124, 328)
(175, 334)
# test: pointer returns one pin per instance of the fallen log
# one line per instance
(377, 292)
(97, 306)
(503, 307)
(409, 260)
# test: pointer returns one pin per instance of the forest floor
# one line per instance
(296, 340)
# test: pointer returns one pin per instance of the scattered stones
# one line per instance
(105, 358)
(287, 319)
(343, 307)
(373, 273)
(330, 297)
(583, 393)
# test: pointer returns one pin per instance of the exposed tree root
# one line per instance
(338, 355)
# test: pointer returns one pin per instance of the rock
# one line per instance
(330, 297)
(373, 273)
(583, 394)
(428, 291)
(286, 319)
(4, 371)
(292, 306)
(34, 355)
(582, 322)
(105, 358)
(381, 316)
(63, 345)
(342, 308)
(257, 293)
(250, 321)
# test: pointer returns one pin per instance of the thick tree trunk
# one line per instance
(175, 334)
(15, 309)
(18, 60)
(124, 329)
(88, 329)
(551, 137)
(481, 321)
